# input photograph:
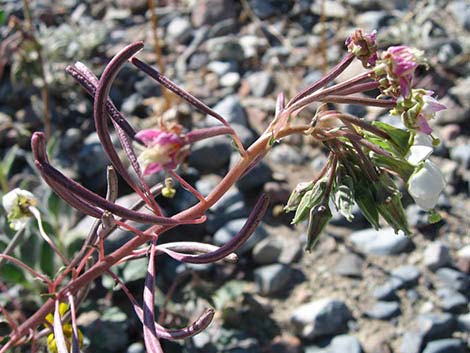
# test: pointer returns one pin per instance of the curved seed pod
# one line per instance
(234, 244)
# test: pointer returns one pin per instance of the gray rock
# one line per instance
(411, 342)
(132, 103)
(451, 278)
(285, 154)
(268, 8)
(179, 30)
(311, 78)
(92, 160)
(448, 53)
(436, 255)
(229, 230)
(460, 9)
(449, 345)
(267, 251)
(230, 79)
(435, 325)
(225, 48)
(417, 217)
(261, 83)
(405, 276)
(349, 265)
(231, 110)
(210, 155)
(208, 12)
(246, 135)
(461, 154)
(222, 67)
(72, 137)
(202, 340)
(463, 322)
(358, 222)
(255, 178)
(136, 347)
(330, 8)
(382, 242)
(371, 20)
(272, 279)
(320, 318)
(357, 110)
(451, 300)
(345, 343)
(384, 310)
(385, 292)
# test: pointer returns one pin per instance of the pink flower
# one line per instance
(161, 150)
(404, 61)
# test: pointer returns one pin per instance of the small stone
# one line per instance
(272, 279)
(264, 9)
(261, 83)
(461, 12)
(449, 345)
(384, 310)
(255, 178)
(267, 251)
(350, 265)
(136, 347)
(417, 217)
(435, 325)
(286, 154)
(405, 276)
(320, 318)
(385, 292)
(332, 9)
(179, 30)
(461, 154)
(231, 228)
(72, 137)
(210, 155)
(224, 48)
(231, 110)
(370, 20)
(230, 79)
(463, 259)
(411, 343)
(382, 242)
(345, 343)
(451, 300)
(451, 278)
(463, 322)
(208, 12)
(436, 255)
(222, 67)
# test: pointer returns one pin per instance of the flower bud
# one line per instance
(296, 195)
(319, 217)
(426, 184)
(363, 46)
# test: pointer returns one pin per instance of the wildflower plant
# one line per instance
(364, 162)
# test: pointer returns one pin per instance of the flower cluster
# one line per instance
(17, 205)
(363, 46)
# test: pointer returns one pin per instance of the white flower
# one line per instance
(421, 149)
(17, 204)
(426, 184)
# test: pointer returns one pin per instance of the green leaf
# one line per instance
(401, 138)
(12, 274)
(2, 17)
(399, 166)
(344, 197)
(365, 199)
(46, 259)
(434, 217)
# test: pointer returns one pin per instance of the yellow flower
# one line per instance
(66, 328)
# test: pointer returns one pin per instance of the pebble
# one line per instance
(224, 48)
(370, 20)
(264, 9)
(385, 292)
(179, 30)
(231, 110)
(285, 154)
(461, 154)
(267, 251)
(435, 325)
(453, 279)
(417, 217)
(451, 300)
(136, 348)
(449, 345)
(405, 276)
(383, 310)
(345, 343)
(463, 322)
(230, 79)
(261, 83)
(210, 155)
(463, 259)
(272, 279)
(350, 265)
(255, 178)
(411, 342)
(460, 9)
(231, 228)
(222, 67)
(321, 317)
(208, 12)
(436, 255)
(332, 9)
(382, 242)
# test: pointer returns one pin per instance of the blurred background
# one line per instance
(359, 290)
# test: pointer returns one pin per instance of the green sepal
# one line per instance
(309, 200)
(401, 140)
(296, 195)
(344, 197)
(399, 166)
(434, 216)
(365, 199)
